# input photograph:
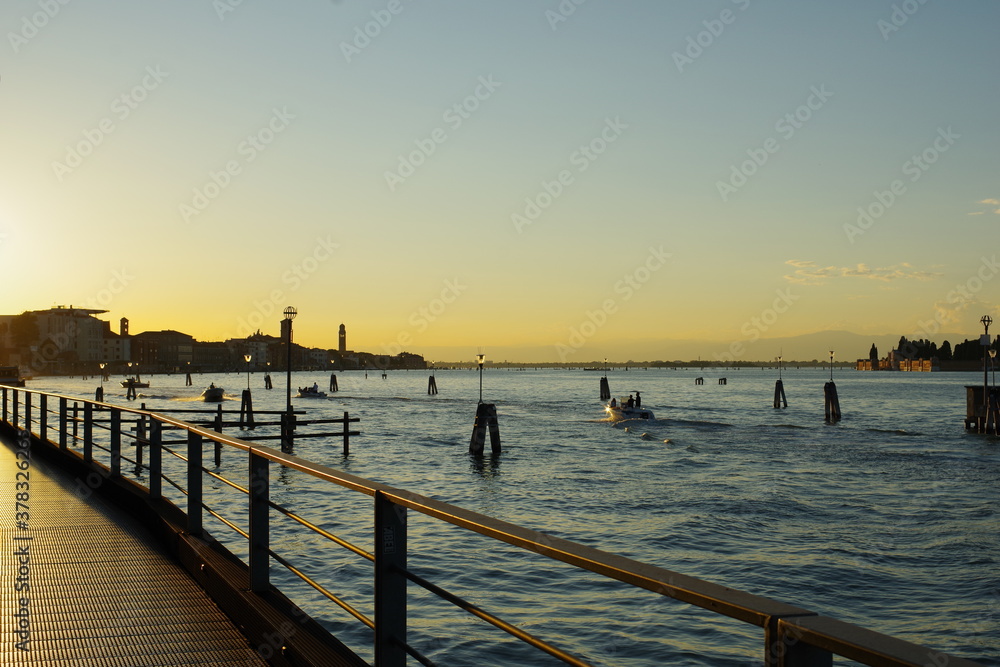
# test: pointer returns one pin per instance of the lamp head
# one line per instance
(290, 313)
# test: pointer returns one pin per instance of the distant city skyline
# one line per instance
(553, 182)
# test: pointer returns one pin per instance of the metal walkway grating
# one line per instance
(101, 591)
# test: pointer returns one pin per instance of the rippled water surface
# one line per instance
(887, 519)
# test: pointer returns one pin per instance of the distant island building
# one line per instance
(70, 341)
(925, 356)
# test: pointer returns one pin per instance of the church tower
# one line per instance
(123, 327)
(343, 339)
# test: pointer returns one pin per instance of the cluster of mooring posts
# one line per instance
(605, 387)
(831, 401)
(982, 404)
(486, 418)
(779, 390)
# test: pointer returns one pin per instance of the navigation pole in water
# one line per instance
(779, 390)
(288, 420)
(605, 389)
(486, 417)
(831, 400)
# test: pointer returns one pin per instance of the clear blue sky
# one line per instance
(490, 175)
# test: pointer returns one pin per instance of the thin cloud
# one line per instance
(808, 273)
(988, 202)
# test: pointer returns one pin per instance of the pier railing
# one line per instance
(100, 434)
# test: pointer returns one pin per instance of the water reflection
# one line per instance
(486, 467)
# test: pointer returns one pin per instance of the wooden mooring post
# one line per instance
(333, 382)
(246, 411)
(832, 402)
(486, 418)
(432, 387)
(218, 429)
(779, 395)
(605, 389)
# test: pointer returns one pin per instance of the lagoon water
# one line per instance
(888, 519)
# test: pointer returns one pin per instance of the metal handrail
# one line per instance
(793, 636)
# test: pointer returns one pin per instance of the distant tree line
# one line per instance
(967, 350)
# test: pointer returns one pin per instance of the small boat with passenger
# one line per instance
(627, 408)
(213, 394)
(310, 392)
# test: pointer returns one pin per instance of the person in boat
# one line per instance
(614, 403)
(211, 386)
(638, 400)
(631, 402)
(315, 388)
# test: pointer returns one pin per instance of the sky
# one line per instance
(551, 180)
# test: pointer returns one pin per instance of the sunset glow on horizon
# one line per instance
(554, 181)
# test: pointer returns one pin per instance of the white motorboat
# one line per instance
(619, 410)
(213, 394)
(310, 392)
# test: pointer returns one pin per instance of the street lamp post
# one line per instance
(987, 321)
(247, 358)
(993, 363)
(290, 314)
(831, 365)
(479, 359)
(289, 421)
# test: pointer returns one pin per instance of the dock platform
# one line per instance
(89, 585)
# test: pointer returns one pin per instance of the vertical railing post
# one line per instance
(4, 404)
(260, 559)
(787, 649)
(116, 442)
(14, 420)
(88, 432)
(63, 415)
(155, 459)
(194, 483)
(390, 583)
(27, 411)
(76, 423)
(43, 417)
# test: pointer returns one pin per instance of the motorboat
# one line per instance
(135, 382)
(213, 394)
(310, 392)
(619, 411)
(11, 376)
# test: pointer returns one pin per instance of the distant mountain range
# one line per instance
(847, 346)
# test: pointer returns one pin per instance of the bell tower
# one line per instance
(343, 339)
